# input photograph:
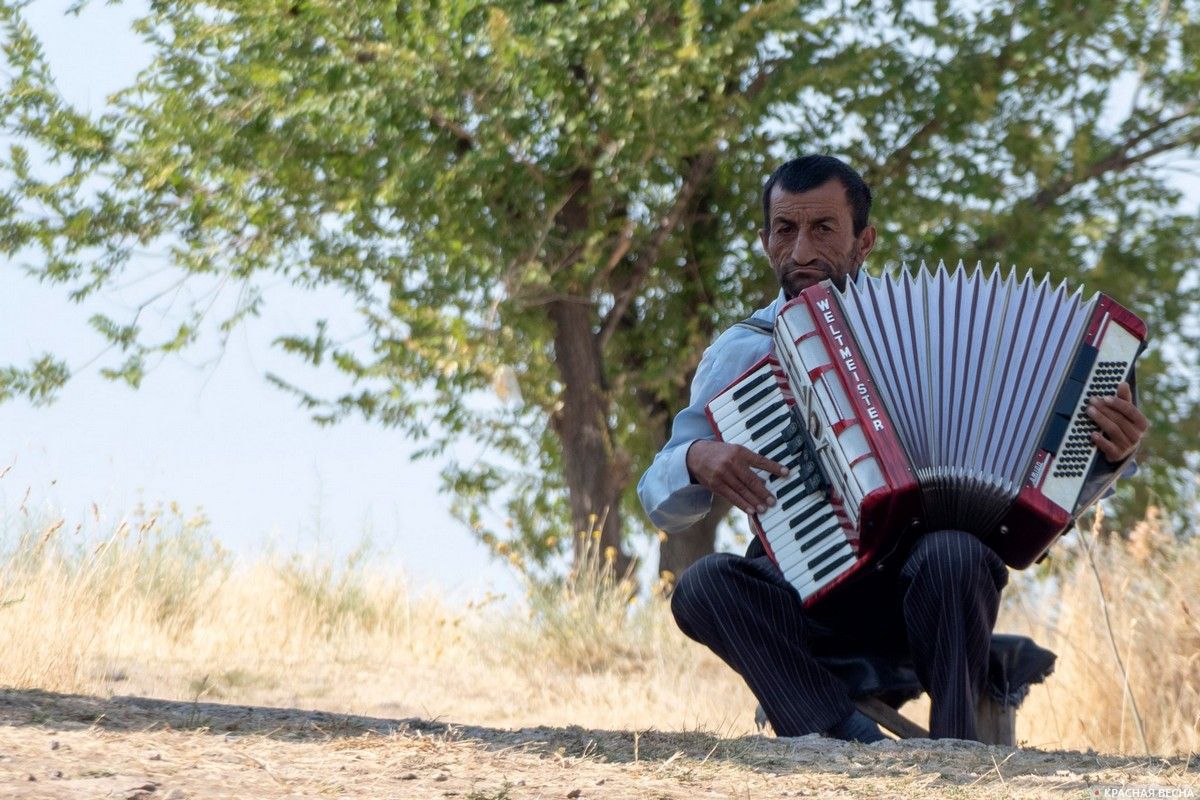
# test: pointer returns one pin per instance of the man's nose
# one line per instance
(802, 249)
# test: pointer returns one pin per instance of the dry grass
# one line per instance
(157, 609)
(1124, 617)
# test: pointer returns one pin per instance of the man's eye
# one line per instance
(823, 228)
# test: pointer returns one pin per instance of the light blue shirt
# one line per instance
(666, 490)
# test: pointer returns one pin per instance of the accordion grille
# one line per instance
(1076, 454)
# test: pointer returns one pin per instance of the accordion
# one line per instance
(926, 401)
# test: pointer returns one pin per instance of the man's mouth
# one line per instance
(807, 273)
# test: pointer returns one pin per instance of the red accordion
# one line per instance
(923, 402)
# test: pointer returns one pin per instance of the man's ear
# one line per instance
(764, 237)
(866, 241)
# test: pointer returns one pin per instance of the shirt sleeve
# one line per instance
(1130, 470)
(670, 498)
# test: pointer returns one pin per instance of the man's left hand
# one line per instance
(1121, 424)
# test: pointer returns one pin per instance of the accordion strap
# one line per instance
(757, 325)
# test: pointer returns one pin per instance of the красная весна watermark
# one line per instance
(1142, 790)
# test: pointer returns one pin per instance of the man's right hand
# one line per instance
(725, 469)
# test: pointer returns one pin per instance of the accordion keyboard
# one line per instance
(802, 531)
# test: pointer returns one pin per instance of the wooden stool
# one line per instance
(880, 684)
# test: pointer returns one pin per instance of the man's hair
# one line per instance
(809, 172)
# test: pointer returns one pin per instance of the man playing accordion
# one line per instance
(937, 603)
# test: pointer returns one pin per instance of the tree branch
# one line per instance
(624, 242)
(900, 158)
(700, 170)
(1117, 161)
(465, 141)
(759, 82)
(545, 298)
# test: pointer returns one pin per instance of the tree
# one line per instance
(566, 194)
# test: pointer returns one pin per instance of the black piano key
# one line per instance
(801, 469)
(754, 399)
(800, 481)
(788, 436)
(801, 449)
(750, 386)
(761, 415)
(824, 554)
(802, 460)
(796, 469)
(769, 428)
(777, 450)
(819, 536)
(779, 455)
(810, 486)
(810, 525)
(832, 565)
(775, 445)
(787, 490)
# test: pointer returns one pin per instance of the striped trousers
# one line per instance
(937, 604)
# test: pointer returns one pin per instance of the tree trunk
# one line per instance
(681, 549)
(594, 472)
(704, 248)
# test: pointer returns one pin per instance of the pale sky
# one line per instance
(215, 436)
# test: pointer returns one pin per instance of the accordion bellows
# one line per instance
(929, 400)
(970, 368)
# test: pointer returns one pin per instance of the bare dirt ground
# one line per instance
(75, 746)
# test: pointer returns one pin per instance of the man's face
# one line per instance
(811, 237)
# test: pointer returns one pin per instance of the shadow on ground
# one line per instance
(51, 710)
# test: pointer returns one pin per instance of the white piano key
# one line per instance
(781, 452)
(730, 409)
(764, 436)
(818, 521)
(780, 522)
(758, 416)
(732, 395)
(777, 513)
(830, 549)
(731, 412)
(811, 545)
(804, 577)
(792, 550)
(757, 387)
(847, 559)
